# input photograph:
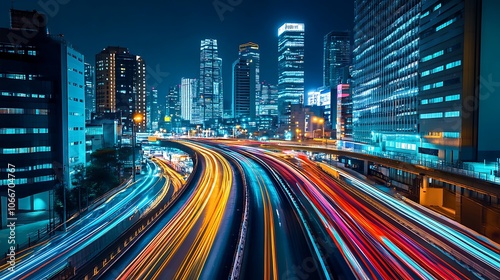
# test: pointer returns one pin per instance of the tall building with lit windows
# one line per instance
(269, 99)
(153, 109)
(187, 95)
(246, 84)
(210, 94)
(448, 79)
(250, 51)
(121, 86)
(42, 114)
(290, 68)
(336, 57)
(89, 90)
(385, 74)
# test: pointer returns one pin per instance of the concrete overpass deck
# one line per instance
(461, 180)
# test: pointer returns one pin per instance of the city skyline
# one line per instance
(372, 153)
(90, 29)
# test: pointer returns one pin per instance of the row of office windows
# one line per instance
(12, 49)
(24, 130)
(26, 95)
(445, 24)
(438, 115)
(23, 181)
(441, 84)
(29, 77)
(400, 145)
(441, 68)
(7, 151)
(30, 168)
(440, 99)
(445, 134)
(22, 111)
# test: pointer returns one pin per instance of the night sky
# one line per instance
(167, 34)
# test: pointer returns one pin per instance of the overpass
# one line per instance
(460, 180)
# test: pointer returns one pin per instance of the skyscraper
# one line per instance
(386, 74)
(187, 95)
(152, 109)
(448, 79)
(290, 68)
(243, 92)
(269, 100)
(336, 56)
(42, 114)
(173, 102)
(344, 112)
(89, 91)
(121, 86)
(210, 93)
(251, 52)
(246, 85)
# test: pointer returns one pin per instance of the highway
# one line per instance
(305, 220)
(51, 256)
(276, 243)
(381, 237)
(180, 245)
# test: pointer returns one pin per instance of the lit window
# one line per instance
(452, 97)
(453, 64)
(443, 25)
(452, 114)
(451, 134)
(436, 100)
(431, 115)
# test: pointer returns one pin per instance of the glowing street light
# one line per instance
(137, 119)
(321, 121)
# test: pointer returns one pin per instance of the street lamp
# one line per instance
(322, 122)
(137, 118)
(298, 133)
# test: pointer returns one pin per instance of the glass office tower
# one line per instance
(210, 94)
(386, 42)
(290, 68)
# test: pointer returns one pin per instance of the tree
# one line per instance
(78, 183)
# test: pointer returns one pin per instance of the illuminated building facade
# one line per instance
(89, 90)
(449, 74)
(290, 68)
(153, 109)
(210, 93)
(250, 52)
(268, 99)
(42, 114)
(121, 86)
(344, 112)
(385, 89)
(187, 95)
(336, 57)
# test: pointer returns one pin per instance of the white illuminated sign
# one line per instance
(297, 27)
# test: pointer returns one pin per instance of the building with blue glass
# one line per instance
(290, 69)
(385, 74)
(42, 113)
(209, 103)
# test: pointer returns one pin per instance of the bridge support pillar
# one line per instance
(365, 168)
(458, 204)
(430, 196)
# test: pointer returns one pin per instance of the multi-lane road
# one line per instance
(52, 256)
(250, 213)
